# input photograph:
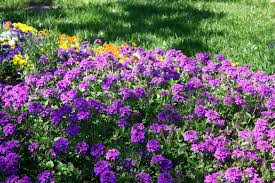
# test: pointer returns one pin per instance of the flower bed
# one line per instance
(123, 114)
(21, 46)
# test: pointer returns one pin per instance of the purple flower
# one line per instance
(157, 159)
(257, 180)
(228, 100)
(4, 118)
(273, 166)
(177, 88)
(220, 57)
(101, 166)
(84, 85)
(194, 83)
(112, 154)
(165, 165)
(239, 101)
(212, 115)
(126, 51)
(34, 146)
(263, 145)
(97, 150)
(129, 162)
(53, 153)
(212, 178)
(96, 41)
(114, 107)
(200, 111)
(233, 174)
(190, 136)
(158, 128)
(61, 145)
(108, 177)
(55, 117)
(250, 155)
(82, 147)
(72, 130)
(43, 59)
(143, 178)
(25, 179)
(165, 178)
(138, 133)
(202, 56)
(250, 171)
(45, 177)
(222, 154)
(122, 123)
(12, 179)
(245, 135)
(68, 96)
(125, 111)
(153, 146)
(9, 129)
(9, 164)
(108, 82)
(158, 81)
(139, 92)
(271, 135)
(83, 115)
(126, 93)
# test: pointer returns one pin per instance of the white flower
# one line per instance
(12, 43)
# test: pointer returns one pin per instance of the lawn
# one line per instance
(241, 29)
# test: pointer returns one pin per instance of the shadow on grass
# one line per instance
(145, 23)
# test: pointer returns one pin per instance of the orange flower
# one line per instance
(7, 24)
(70, 39)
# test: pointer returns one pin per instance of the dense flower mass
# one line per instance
(108, 113)
(13, 41)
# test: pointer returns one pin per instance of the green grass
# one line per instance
(241, 29)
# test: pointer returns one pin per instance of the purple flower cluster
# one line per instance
(138, 133)
(138, 115)
(61, 145)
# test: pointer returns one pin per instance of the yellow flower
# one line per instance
(25, 28)
(66, 41)
(123, 59)
(19, 60)
(160, 57)
(44, 32)
(235, 63)
(177, 69)
(105, 48)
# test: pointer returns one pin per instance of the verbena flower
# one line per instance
(45, 177)
(9, 129)
(82, 147)
(153, 146)
(97, 150)
(143, 178)
(138, 133)
(61, 145)
(190, 136)
(112, 154)
(101, 166)
(165, 178)
(233, 174)
(108, 177)
(34, 146)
